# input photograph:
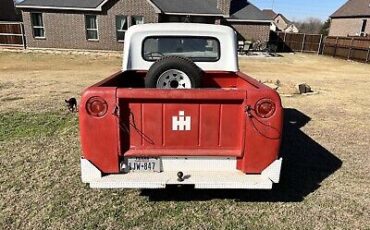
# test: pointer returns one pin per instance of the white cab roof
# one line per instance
(135, 35)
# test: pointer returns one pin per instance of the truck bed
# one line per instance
(211, 121)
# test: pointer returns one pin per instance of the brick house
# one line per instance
(352, 19)
(101, 24)
(280, 22)
(8, 11)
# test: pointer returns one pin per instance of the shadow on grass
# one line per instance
(306, 164)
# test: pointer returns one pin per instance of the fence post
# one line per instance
(335, 47)
(304, 38)
(284, 41)
(320, 43)
(368, 54)
(350, 50)
(23, 35)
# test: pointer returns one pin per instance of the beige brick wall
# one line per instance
(348, 26)
(224, 6)
(280, 23)
(252, 31)
(67, 29)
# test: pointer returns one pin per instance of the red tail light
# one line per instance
(265, 108)
(96, 106)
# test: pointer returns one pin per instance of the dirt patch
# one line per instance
(6, 85)
(12, 98)
(289, 90)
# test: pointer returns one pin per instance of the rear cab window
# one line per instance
(198, 49)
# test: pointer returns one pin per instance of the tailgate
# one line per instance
(206, 122)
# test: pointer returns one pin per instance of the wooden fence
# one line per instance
(351, 48)
(12, 34)
(296, 42)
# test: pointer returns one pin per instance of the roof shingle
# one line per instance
(188, 6)
(269, 13)
(239, 10)
(353, 8)
(243, 10)
(87, 4)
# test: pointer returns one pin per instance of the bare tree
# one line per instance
(310, 25)
(325, 28)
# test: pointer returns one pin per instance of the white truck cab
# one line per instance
(163, 38)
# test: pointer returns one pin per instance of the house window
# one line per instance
(136, 20)
(37, 25)
(121, 26)
(91, 27)
(363, 28)
(124, 22)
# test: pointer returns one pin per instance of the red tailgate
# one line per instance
(205, 122)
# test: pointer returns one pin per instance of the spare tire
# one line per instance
(173, 72)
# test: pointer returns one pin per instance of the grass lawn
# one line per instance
(326, 170)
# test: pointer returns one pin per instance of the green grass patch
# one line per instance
(22, 125)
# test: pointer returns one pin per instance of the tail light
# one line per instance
(265, 108)
(96, 106)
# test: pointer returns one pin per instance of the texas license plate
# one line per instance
(143, 164)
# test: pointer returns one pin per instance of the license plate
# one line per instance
(143, 164)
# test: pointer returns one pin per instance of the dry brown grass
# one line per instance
(325, 181)
(36, 81)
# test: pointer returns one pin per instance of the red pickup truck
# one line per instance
(180, 113)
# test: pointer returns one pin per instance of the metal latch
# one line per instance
(116, 111)
(248, 110)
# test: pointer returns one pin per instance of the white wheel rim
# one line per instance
(174, 79)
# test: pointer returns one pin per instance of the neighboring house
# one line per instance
(249, 22)
(280, 22)
(8, 11)
(291, 29)
(101, 24)
(352, 19)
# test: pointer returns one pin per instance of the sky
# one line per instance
(301, 9)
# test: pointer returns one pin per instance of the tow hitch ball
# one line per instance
(180, 176)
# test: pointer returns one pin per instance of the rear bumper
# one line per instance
(200, 179)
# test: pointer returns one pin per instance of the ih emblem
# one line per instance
(181, 123)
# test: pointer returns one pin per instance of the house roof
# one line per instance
(239, 10)
(353, 8)
(269, 13)
(245, 11)
(287, 21)
(63, 4)
(203, 7)
(272, 15)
